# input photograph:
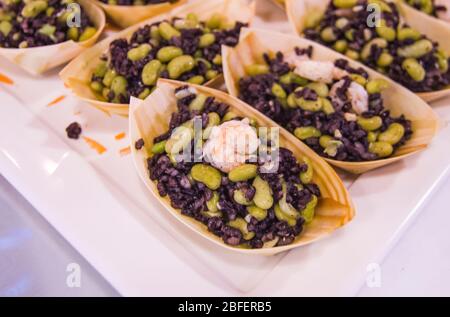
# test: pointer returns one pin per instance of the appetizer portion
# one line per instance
(184, 49)
(135, 2)
(26, 24)
(232, 176)
(334, 108)
(437, 8)
(387, 45)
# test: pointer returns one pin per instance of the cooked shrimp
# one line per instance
(356, 93)
(230, 145)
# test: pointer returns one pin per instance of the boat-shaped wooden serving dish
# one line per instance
(77, 74)
(125, 16)
(37, 60)
(435, 29)
(397, 99)
(150, 118)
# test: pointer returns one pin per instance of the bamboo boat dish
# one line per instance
(91, 78)
(438, 9)
(127, 15)
(233, 202)
(53, 43)
(408, 48)
(314, 109)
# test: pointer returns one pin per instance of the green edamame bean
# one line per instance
(327, 34)
(380, 42)
(243, 173)
(206, 40)
(33, 8)
(278, 91)
(416, 50)
(167, 31)
(375, 86)
(211, 74)
(327, 106)
(180, 65)
(48, 30)
(287, 208)
(73, 34)
(263, 196)
(154, 33)
(180, 138)
(159, 148)
(256, 69)
(290, 101)
(414, 69)
(372, 136)
(167, 53)
(241, 225)
(393, 134)
(217, 60)
(49, 11)
(257, 213)
(150, 72)
(307, 176)
(213, 119)
(408, 33)
(381, 4)
(352, 54)
(105, 93)
(341, 23)
(313, 19)
(87, 34)
(358, 79)
(442, 61)
(332, 147)
(240, 198)
(5, 27)
(385, 59)
(144, 94)
(185, 24)
(340, 46)
(291, 221)
(212, 203)
(196, 80)
(96, 86)
(309, 211)
(119, 85)
(230, 115)
(350, 34)
(304, 133)
(101, 69)
(309, 105)
(286, 79)
(325, 140)
(321, 89)
(381, 149)
(198, 103)
(345, 4)
(109, 76)
(23, 44)
(138, 53)
(386, 32)
(214, 21)
(292, 78)
(370, 124)
(207, 175)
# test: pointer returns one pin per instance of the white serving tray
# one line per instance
(99, 205)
